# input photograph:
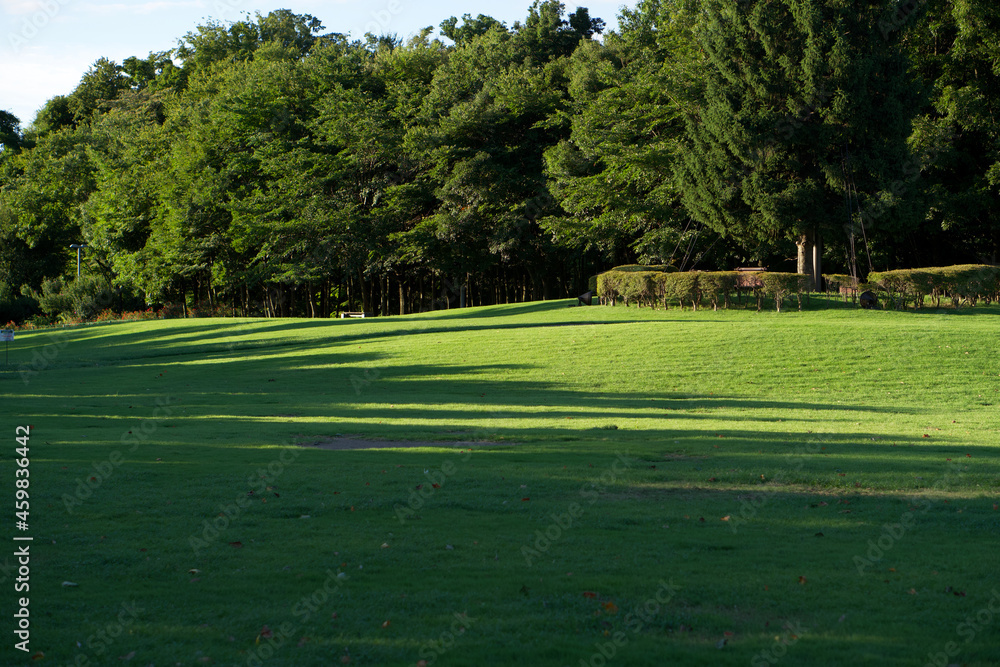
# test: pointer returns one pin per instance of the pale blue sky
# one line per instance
(47, 45)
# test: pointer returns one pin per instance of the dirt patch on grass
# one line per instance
(349, 442)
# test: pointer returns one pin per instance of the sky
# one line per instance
(47, 45)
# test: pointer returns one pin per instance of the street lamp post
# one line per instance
(78, 247)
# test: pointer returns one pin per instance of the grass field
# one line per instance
(642, 488)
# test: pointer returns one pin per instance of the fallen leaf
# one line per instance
(725, 518)
(524, 500)
(802, 580)
(265, 633)
(385, 624)
(38, 656)
(912, 591)
(236, 545)
(727, 633)
(610, 607)
(589, 594)
(385, 545)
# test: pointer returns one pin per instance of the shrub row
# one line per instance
(696, 287)
(967, 283)
(592, 285)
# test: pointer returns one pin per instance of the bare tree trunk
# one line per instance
(804, 265)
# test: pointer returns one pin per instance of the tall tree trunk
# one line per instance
(817, 261)
(804, 265)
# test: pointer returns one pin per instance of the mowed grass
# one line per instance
(646, 488)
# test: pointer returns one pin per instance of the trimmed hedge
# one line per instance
(681, 287)
(666, 268)
(781, 285)
(966, 283)
(694, 287)
(716, 286)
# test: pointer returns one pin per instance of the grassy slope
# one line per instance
(820, 418)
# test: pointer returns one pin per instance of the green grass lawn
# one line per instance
(646, 488)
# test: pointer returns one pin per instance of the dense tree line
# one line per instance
(268, 166)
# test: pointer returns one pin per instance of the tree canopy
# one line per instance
(269, 166)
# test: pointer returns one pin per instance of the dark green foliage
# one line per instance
(83, 298)
(267, 168)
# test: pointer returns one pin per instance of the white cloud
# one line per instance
(19, 7)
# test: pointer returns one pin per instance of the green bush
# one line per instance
(592, 286)
(666, 268)
(16, 307)
(609, 286)
(967, 283)
(83, 298)
(716, 286)
(845, 284)
(682, 286)
(780, 285)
